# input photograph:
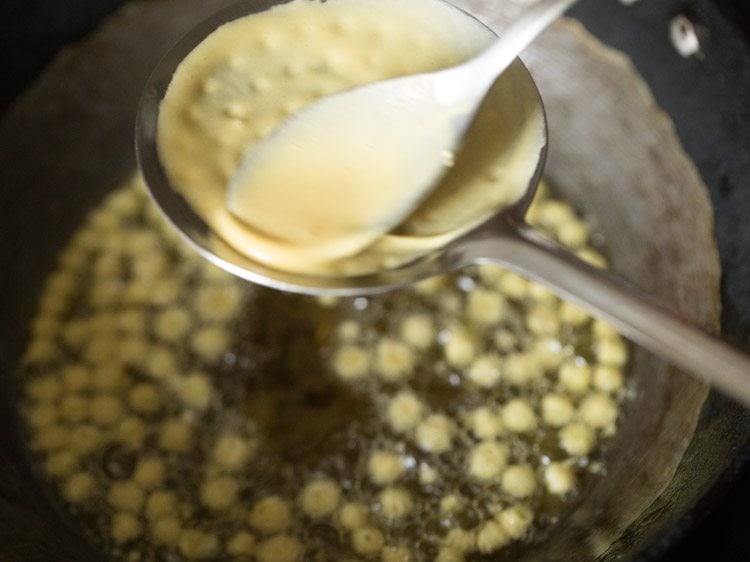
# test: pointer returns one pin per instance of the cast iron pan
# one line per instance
(705, 97)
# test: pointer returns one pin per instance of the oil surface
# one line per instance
(181, 414)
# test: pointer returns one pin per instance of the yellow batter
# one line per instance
(251, 74)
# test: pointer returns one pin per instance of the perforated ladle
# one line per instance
(503, 239)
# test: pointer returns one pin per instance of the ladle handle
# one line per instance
(639, 317)
(471, 80)
(520, 33)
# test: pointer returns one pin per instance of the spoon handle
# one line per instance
(516, 37)
(638, 316)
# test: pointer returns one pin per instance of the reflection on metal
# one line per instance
(684, 36)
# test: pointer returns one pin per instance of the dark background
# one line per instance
(32, 31)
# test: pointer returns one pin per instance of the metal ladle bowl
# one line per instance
(199, 234)
(504, 239)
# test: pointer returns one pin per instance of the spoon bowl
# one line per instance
(395, 140)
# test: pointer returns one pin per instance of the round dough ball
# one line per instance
(145, 398)
(396, 503)
(106, 410)
(211, 342)
(460, 540)
(197, 545)
(491, 537)
(231, 452)
(516, 520)
(543, 320)
(418, 330)
(74, 408)
(132, 321)
(451, 503)
(45, 388)
(41, 351)
(41, 415)
(241, 543)
(131, 431)
(384, 467)
(486, 307)
(172, 324)
(404, 411)
(84, 439)
(320, 499)
(577, 439)
(126, 496)
(427, 474)
(518, 416)
(519, 481)
(573, 234)
(448, 554)
(353, 515)
(175, 436)
(61, 464)
(52, 438)
(397, 554)
(485, 371)
(575, 377)
(608, 379)
(134, 350)
(367, 541)
(430, 287)
(149, 472)
(281, 548)
(557, 410)
(109, 378)
(520, 369)
(435, 434)
(460, 349)
(487, 460)
(599, 411)
(394, 360)
(166, 531)
(270, 515)
(79, 487)
(351, 362)
(349, 331)
(219, 493)
(573, 315)
(77, 378)
(484, 423)
(125, 527)
(159, 504)
(559, 478)
(218, 303)
(611, 351)
(196, 390)
(548, 353)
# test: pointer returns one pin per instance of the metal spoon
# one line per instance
(504, 239)
(410, 127)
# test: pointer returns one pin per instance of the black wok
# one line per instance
(48, 187)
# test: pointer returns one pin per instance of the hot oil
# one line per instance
(325, 426)
(273, 383)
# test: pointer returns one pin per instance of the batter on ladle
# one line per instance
(251, 74)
